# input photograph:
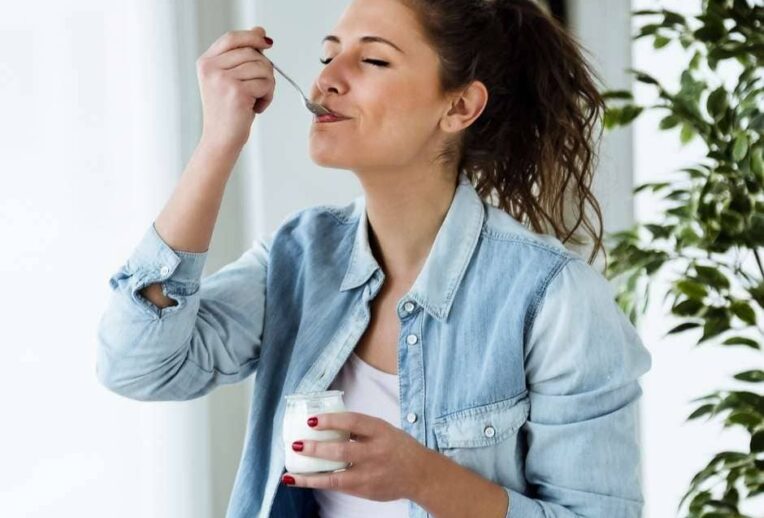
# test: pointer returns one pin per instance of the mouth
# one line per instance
(329, 118)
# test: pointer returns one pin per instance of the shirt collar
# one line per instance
(435, 287)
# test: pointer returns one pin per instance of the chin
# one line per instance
(330, 156)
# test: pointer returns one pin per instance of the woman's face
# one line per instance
(391, 95)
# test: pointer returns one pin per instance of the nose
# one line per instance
(329, 81)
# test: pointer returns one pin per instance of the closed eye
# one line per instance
(375, 62)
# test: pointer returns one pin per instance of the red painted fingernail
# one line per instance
(312, 421)
(270, 41)
(286, 479)
(297, 446)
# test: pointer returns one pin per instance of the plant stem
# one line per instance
(758, 261)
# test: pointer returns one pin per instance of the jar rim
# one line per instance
(314, 395)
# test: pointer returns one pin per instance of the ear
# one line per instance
(465, 107)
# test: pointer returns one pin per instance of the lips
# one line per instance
(330, 118)
(335, 112)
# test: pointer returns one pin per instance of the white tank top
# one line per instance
(371, 391)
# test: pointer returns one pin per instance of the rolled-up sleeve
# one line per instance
(212, 335)
(583, 359)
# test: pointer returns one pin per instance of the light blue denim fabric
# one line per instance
(515, 361)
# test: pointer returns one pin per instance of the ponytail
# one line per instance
(531, 150)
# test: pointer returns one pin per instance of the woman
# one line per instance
(487, 370)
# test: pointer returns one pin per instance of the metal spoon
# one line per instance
(313, 107)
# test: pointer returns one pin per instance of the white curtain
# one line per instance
(97, 118)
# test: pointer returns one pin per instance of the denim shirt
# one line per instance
(513, 358)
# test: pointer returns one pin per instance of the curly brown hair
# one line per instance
(531, 152)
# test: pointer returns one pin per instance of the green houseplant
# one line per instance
(708, 240)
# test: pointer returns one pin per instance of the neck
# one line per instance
(405, 211)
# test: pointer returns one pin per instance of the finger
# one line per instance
(252, 70)
(236, 57)
(359, 424)
(261, 91)
(343, 451)
(235, 39)
(337, 481)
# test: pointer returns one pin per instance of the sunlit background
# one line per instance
(99, 112)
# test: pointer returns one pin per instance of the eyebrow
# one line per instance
(365, 39)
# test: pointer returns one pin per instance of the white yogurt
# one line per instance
(299, 408)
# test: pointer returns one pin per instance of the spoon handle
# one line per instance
(285, 76)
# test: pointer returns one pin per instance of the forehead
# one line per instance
(390, 19)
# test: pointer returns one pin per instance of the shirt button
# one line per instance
(489, 431)
(165, 270)
(409, 307)
(411, 417)
(411, 339)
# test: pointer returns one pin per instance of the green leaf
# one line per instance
(660, 41)
(692, 289)
(732, 222)
(757, 123)
(712, 276)
(757, 163)
(756, 231)
(730, 401)
(617, 94)
(717, 103)
(655, 187)
(610, 119)
(629, 113)
(683, 327)
(751, 399)
(733, 458)
(696, 172)
(668, 122)
(644, 77)
(713, 30)
(739, 340)
(740, 147)
(744, 312)
(713, 395)
(697, 503)
(688, 236)
(670, 17)
(644, 12)
(714, 327)
(757, 292)
(686, 134)
(753, 376)
(687, 308)
(701, 411)
(660, 231)
(646, 30)
(744, 418)
(757, 442)
(695, 61)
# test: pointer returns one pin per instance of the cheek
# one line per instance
(393, 123)
(406, 125)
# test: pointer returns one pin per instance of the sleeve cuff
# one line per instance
(154, 261)
(520, 506)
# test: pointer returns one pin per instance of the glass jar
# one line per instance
(299, 407)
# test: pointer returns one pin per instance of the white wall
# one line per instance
(601, 26)
(288, 179)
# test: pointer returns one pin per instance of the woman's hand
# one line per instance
(387, 463)
(236, 82)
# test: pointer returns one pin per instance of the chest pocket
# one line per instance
(486, 438)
